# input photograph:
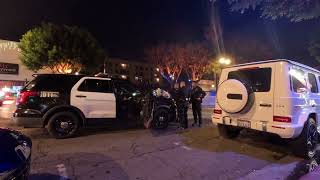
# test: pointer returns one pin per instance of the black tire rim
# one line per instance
(312, 139)
(64, 125)
(161, 120)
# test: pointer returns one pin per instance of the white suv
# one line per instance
(276, 96)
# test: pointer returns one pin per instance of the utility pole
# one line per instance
(104, 66)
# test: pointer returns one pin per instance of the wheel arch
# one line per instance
(62, 108)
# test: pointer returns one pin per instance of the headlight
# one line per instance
(23, 150)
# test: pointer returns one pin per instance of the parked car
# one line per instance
(278, 96)
(66, 103)
(7, 98)
(15, 150)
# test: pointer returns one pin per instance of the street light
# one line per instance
(223, 61)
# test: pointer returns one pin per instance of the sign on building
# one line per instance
(8, 68)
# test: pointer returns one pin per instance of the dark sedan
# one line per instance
(15, 155)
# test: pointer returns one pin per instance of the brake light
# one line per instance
(25, 95)
(282, 119)
(217, 111)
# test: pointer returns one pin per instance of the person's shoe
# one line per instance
(199, 125)
(193, 124)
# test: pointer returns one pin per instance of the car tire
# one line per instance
(228, 132)
(306, 144)
(161, 118)
(63, 125)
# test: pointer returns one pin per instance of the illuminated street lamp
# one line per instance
(223, 61)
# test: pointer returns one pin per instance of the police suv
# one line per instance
(65, 103)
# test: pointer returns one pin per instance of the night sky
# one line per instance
(124, 28)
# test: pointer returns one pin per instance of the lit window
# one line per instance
(123, 65)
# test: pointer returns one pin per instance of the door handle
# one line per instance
(81, 96)
(265, 105)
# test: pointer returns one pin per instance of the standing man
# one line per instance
(197, 94)
(185, 93)
(175, 95)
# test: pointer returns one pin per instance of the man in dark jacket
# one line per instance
(180, 98)
(197, 94)
(185, 104)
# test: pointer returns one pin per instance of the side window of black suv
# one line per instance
(60, 83)
(96, 85)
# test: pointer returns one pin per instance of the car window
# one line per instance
(298, 80)
(96, 85)
(58, 83)
(259, 79)
(313, 83)
(125, 86)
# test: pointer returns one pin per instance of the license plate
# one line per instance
(245, 124)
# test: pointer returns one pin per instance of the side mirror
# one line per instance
(302, 90)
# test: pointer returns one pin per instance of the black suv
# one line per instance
(66, 103)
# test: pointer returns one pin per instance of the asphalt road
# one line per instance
(142, 154)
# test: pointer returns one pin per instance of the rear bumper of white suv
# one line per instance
(283, 130)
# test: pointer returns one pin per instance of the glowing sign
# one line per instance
(8, 68)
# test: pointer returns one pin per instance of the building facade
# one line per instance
(13, 75)
(133, 71)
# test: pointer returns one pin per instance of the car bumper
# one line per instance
(283, 130)
(27, 121)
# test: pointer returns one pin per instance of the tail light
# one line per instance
(25, 95)
(217, 111)
(282, 119)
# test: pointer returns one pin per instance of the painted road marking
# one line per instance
(186, 148)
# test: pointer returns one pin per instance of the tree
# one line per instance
(63, 49)
(173, 59)
(168, 58)
(295, 10)
(198, 60)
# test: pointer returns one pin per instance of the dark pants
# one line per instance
(196, 109)
(182, 114)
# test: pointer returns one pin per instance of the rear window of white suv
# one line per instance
(259, 79)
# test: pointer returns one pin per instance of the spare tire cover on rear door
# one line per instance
(233, 96)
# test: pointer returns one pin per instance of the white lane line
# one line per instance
(62, 171)
(186, 148)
